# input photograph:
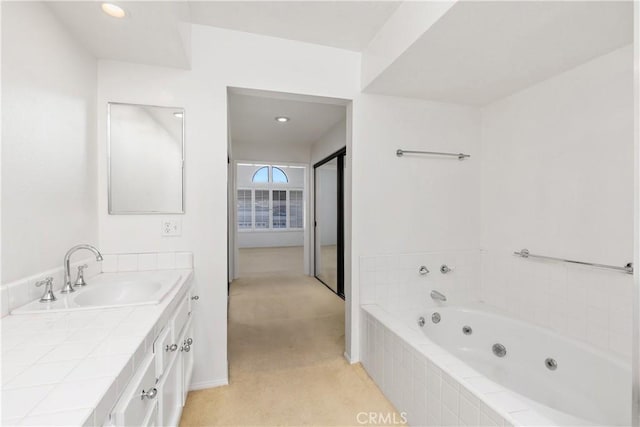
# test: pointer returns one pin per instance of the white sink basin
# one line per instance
(111, 290)
(118, 293)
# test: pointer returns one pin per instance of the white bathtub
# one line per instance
(588, 387)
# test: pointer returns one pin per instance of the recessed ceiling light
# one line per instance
(178, 114)
(282, 119)
(113, 10)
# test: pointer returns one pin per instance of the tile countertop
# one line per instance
(69, 368)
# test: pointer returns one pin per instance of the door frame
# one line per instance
(340, 156)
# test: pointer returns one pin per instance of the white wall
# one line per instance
(333, 140)
(48, 141)
(414, 210)
(221, 58)
(415, 203)
(558, 179)
(287, 153)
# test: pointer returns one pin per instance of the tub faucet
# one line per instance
(68, 288)
(435, 295)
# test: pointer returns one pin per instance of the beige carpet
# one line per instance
(286, 345)
(284, 260)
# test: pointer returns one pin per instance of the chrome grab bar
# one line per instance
(627, 268)
(461, 156)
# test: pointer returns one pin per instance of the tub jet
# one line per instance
(499, 350)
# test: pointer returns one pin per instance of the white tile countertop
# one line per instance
(68, 368)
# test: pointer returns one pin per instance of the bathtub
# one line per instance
(534, 376)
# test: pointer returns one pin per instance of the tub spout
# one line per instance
(437, 296)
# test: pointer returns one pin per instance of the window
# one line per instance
(296, 209)
(261, 175)
(244, 209)
(278, 175)
(270, 197)
(270, 174)
(262, 208)
(279, 209)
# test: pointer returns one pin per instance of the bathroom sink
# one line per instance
(127, 292)
(111, 290)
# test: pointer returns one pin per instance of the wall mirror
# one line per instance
(146, 159)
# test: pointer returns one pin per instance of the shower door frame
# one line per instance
(340, 156)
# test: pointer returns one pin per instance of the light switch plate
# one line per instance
(171, 227)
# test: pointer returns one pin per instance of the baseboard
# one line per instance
(346, 356)
(209, 384)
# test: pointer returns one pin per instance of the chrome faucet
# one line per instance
(48, 295)
(68, 288)
(435, 295)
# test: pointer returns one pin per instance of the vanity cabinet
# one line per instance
(139, 398)
(157, 391)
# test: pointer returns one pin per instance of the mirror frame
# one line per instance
(182, 195)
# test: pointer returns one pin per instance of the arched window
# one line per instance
(261, 175)
(279, 175)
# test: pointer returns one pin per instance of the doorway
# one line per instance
(329, 221)
(275, 301)
(270, 199)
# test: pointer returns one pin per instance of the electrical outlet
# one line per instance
(171, 227)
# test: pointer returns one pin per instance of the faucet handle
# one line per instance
(80, 278)
(48, 295)
(47, 281)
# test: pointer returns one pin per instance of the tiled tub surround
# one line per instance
(577, 302)
(393, 282)
(583, 303)
(434, 387)
(70, 368)
(20, 292)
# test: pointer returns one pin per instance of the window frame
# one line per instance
(288, 227)
(270, 186)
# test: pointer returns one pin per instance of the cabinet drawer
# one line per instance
(133, 409)
(164, 350)
(180, 319)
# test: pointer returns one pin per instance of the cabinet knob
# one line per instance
(195, 297)
(186, 348)
(189, 341)
(172, 347)
(150, 394)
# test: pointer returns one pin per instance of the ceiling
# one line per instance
(252, 119)
(153, 32)
(158, 32)
(342, 24)
(479, 52)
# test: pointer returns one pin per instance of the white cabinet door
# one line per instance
(187, 360)
(170, 389)
(139, 398)
(164, 350)
(152, 418)
(179, 319)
